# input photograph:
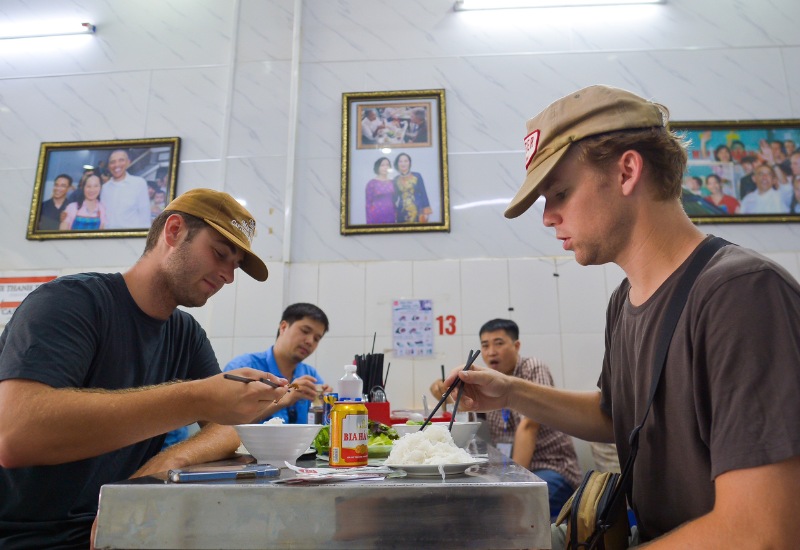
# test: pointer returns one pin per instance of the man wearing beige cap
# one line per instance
(718, 463)
(96, 368)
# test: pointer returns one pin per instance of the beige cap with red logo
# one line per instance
(587, 112)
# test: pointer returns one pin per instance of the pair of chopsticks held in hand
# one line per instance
(266, 381)
(456, 384)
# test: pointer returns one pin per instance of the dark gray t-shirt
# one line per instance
(729, 395)
(85, 331)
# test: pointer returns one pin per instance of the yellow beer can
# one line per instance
(349, 434)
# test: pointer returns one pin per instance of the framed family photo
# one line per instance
(394, 162)
(742, 171)
(90, 189)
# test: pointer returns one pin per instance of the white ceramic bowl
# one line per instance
(462, 432)
(277, 443)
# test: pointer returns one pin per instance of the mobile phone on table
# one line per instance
(216, 473)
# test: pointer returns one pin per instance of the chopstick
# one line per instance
(248, 380)
(245, 380)
(454, 385)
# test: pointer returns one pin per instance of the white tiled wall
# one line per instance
(219, 74)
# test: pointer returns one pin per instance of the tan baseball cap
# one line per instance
(229, 218)
(587, 112)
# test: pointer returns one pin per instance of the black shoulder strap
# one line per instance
(667, 329)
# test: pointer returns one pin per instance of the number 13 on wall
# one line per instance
(447, 324)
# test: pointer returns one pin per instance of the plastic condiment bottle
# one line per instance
(350, 385)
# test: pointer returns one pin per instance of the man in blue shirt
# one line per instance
(299, 333)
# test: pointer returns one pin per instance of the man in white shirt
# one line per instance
(765, 199)
(371, 127)
(125, 195)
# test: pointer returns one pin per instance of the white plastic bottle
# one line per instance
(350, 385)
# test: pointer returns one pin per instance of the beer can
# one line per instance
(349, 434)
(328, 401)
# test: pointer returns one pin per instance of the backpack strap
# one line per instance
(667, 329)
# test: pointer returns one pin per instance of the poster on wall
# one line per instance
(14, 287)
(412, 327)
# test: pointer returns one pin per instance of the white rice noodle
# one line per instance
(274, 420)
(434, 445)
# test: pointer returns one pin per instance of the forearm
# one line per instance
(40, 425)
(212, 442)
(525, 443)
(572, 412)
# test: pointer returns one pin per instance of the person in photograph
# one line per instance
(412, 204)
(738, 150)
(794, 202)
(87, 212)
(52, 208)
(716, 197)
(125, 195)
(96, 367)
(158, 202)
(371, 127)
(766, 199)
(746, 182)
(381, 194)
(394, 129)
(789, 146)
(418, 127)
(694, 184)
(73, 194)
(718, 464)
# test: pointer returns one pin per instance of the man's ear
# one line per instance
(630, 166)
(172, 229)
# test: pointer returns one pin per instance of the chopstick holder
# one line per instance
(454, 385)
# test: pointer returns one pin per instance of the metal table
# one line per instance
(498, 505)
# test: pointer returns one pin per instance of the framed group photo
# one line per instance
(91, 189)
(394, 162)
(742, 171)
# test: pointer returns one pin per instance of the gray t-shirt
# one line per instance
(728, 398)
(86, 331)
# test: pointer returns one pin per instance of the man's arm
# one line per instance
(525, 442)
(212, 442)
(40, 425)
(754, 508)
(572, 412)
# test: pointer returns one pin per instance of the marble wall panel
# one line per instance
(265, 30)
(131, 36)
(259, 123)
(201, 127)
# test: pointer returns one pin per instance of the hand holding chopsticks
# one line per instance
(263, 380)
(456, 384)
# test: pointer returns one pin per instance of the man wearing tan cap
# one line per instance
(718, 463)
(88, 372)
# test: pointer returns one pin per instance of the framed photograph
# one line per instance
(102, 188)
(394, 162)
(742, 171)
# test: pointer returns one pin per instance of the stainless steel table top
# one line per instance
(498, 505)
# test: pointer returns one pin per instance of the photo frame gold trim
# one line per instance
(153, 161)
(736, 156)
(394, 162)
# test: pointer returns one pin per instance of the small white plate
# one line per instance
(413, 470)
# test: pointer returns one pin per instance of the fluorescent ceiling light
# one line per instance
(41, 29)
(463, 5)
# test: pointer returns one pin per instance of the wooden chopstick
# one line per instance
(454, 385)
